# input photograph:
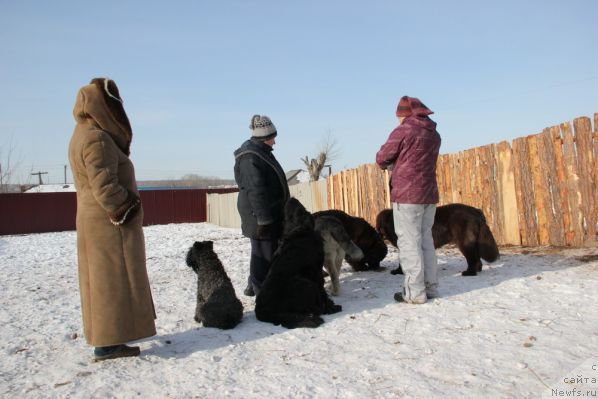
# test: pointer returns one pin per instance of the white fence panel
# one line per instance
(222, 208)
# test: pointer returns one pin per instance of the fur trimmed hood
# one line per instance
(100, 105)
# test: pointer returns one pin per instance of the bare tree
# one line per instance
(7, 166)
(327, 152)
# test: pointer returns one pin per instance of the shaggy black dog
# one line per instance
(217, 303)
(293, 292)
(460, 224)
(364, 236)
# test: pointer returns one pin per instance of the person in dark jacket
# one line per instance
(411, 152)
(263, 192)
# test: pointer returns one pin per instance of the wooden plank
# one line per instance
(585, 166)
(456, 160)
(524, 192)
(551, 158)
(539, 189)
(489, 188)
(548, 161)
(508, 200)
(444, 180)
(572, 177)
(387, 192)
(355, 197)
(466, 177)
(595, 173)
(561, 185)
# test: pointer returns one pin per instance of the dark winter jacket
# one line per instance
(412, 151)
(263, 189)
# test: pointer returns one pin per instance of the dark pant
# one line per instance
(259, 265)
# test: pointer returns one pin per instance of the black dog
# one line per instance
(460, 224)
(217, 303)
(364, 236)
(293, 292)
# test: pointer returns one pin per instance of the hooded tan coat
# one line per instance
(116, 301)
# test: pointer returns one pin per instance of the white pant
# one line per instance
(413, 225)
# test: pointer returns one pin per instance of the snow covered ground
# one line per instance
(518, 330)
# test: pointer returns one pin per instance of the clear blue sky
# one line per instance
(192, 73)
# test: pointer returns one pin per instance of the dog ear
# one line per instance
(190, 260)
(203, 245)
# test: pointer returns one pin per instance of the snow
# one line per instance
(519, 328)
(52, 188)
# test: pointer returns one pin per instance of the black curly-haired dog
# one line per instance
(364, 236)
(293, 293)
(460, 224)
(217, 303)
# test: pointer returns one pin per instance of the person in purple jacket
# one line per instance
(410, 154)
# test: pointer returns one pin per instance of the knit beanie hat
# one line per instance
(262, 127)
(412, 106)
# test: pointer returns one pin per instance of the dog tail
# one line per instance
(487, 245)
(385, 226)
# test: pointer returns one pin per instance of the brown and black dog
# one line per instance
(364, 236)
(460, 224)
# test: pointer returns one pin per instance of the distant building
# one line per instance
(295, 176)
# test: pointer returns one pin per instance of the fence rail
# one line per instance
(25, 213)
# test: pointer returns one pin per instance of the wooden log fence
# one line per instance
(541, 190)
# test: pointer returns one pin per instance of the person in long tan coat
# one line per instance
(116, 300)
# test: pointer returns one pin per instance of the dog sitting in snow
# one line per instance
(293, 293)
(217, 303)
(364, 236)
(337, 245)
(460, 224)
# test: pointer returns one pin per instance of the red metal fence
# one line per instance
(48, 212)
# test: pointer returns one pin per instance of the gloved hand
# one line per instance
(126, 211)
(264, 231)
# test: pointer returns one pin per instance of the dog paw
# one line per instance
(468, 273)
(310, 321)
(330, 288)
(334, 309)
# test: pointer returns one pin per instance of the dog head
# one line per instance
(296, 218)
(193, 255)
(370, 242)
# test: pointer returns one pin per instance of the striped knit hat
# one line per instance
(412, 106)
(262, 127)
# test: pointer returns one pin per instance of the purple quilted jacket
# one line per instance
(411, 151)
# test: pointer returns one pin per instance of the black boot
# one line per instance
(114, 352)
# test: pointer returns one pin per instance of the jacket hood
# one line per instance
(253, 145)
(92, 107)
(421, 121)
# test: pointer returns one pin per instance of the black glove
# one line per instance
(264, 231)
